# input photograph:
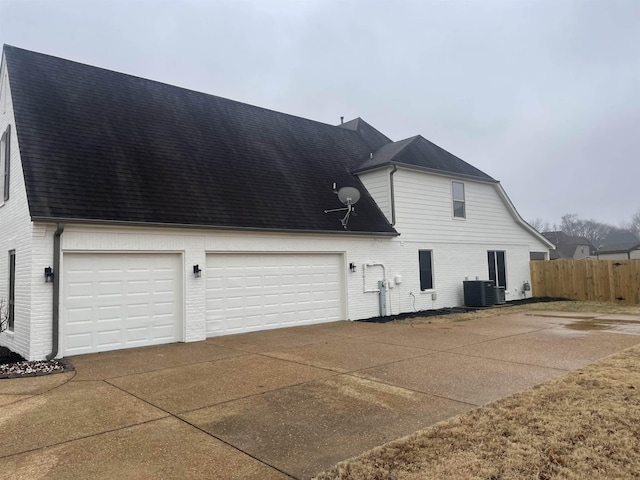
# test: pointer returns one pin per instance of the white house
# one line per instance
(137, 213)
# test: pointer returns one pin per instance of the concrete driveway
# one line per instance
(281, 403)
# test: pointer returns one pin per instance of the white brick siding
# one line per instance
(15, 234)
(451, 262)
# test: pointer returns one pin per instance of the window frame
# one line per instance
(426, 268)
(5, 163)
(11, 297)
(497, 267)
(461, 202)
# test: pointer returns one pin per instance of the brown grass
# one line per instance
(585, 424)
(568, 306)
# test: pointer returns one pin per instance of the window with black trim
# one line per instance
(12, 290)
(425, 260)
(457, 193)
(497, 268)
(5, 163)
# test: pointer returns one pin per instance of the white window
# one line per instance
(5, 164)
(457, 191)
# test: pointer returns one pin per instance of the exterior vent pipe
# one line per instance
(55, 317)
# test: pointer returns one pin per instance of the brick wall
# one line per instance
(15, 234)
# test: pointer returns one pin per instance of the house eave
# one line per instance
(441, 173)
(83, 221)
(516, 216)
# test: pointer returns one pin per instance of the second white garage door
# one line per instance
(112, 301)
(248, 292)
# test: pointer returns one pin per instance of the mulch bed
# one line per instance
(449, 311)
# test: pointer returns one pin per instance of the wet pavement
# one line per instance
(282, 403)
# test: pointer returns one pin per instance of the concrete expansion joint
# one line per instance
(182, 420)
(232, 445)
(71, 440)
(412, 390)
(512, 362)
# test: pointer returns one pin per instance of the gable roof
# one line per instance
(566, 245)
(617, 237)
(420, 153)
(620, 248)
(561, 238)
(372, 137)
(104, 146)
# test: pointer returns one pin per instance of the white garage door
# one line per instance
(113, 301)
(248, 292)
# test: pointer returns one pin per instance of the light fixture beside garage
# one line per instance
(48, 275)
(196, 271)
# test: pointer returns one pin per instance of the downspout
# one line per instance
(55, 317)
(393, 197)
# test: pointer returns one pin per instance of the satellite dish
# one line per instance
(349, 196)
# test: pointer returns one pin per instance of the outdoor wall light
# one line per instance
(196, 271)
(48, 275)
(352, 267)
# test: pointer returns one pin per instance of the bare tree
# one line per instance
(595, 231)
(634, 225)
(540, 225)
(591, 229)
(570, 224)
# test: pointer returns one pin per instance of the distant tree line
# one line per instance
(592, 230)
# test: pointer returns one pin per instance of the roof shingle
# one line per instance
(98, 145)
(101, 145)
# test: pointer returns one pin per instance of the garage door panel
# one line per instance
(247, 292)
(114, 301)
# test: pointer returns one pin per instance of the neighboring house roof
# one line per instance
(566, 245)
(104, 146)
(620, 248)
(559, 237)
(421, 153)
(618, 237)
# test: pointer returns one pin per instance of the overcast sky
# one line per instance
(542, 95)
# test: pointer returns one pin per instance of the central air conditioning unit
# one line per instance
(499, 295)
(479, 293)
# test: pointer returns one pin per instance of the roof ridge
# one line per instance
(170, 85)
(409, 142)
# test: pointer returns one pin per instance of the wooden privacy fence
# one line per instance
(616, 281)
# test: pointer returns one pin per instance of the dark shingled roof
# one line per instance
(421, 153)
(101, 145)
(373, 138)
(620, 248)
(98, 145)
(566, 245)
